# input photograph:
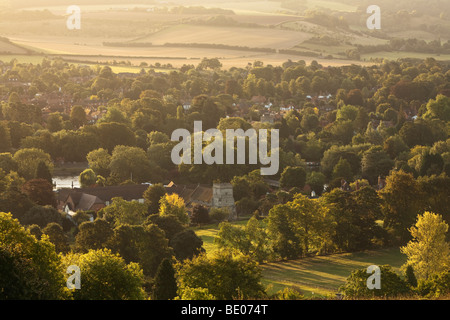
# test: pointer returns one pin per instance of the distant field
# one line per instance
(398, 55)
(323, 275)
(10, 48)
(240, 7)
(250, 37)
(121, 24)
(417, 34)
(331, 5)
(34, 59)
(85, 49)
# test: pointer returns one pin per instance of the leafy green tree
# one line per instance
(392, 285)
(30, 268)
(347, 112)
(153, 195)
(342, 131)
(309, 122)
(18, 131)
(299, 227)
(286, 242)
(436, 189)
(261, 246)
(430, 164)
(241, 188)
(165, 285)
(43, 172)
(5, 141)
(28, 160)
(437, 285)
(170, 224)
(93, 235)
(121, 211)
(186, 245)
(342, 170)
(410, 277)
(7, 163)
(354, 216)
(210, 112)
(401, 204)
(145, 245)
(99, 161)
(15, 202)
(369, 213)
(41, 216)
(159, 154)
(394, 145)
(219, 214)
(157, 137)
(374, 163)
(212, 63)
(332, 156)
(293, 177)
(78, 116)
(316, 180)
(288, 294)
(251, 240)
(114, 114)
(54, 122)
(416, 133)
(199, 214)
(428, 252)
(74, 145)
(56, 235)
(233, 123)
(438, 108)
(130, 163)
(112, 134)
(106, 276)
(355, 98)
(87, 178)
(81, 216)
(35, 230)
(172, 204)
(196, 294)
(224, 276)
(40, 191)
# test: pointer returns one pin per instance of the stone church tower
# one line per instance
(223, 198)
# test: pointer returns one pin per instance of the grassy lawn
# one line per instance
(323, 275)
(208, 232)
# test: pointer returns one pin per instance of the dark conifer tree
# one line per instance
(165, 286)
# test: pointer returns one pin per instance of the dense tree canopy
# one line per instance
(363, 150)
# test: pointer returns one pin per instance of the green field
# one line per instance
(323, 275)
(318, 276)
(208, 233)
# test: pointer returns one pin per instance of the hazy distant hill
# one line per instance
(428, 7)
(38, 3)
(7, 47)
